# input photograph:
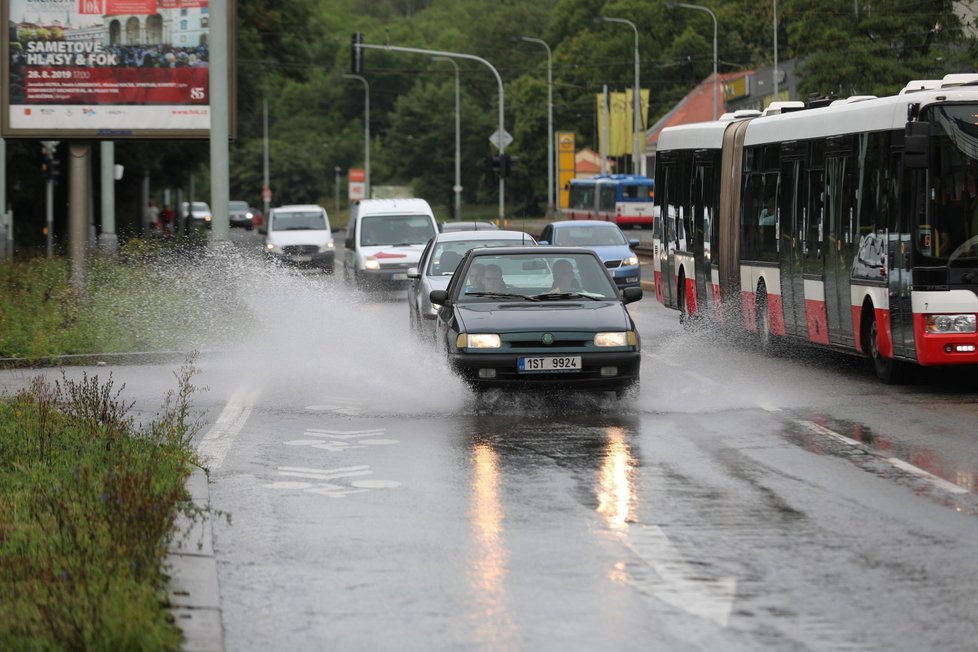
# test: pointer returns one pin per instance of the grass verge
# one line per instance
(88, 500)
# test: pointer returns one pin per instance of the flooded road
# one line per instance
(738, 502)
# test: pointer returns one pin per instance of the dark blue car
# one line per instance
(603, 238)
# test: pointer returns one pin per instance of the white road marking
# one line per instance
(214, 446)
(330, 489)
(680, 583)
(321, 474)
(342, 434)
(903, 465)
(375, 484)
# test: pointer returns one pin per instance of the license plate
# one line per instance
(549, 363)
(302, 259)
(399, 277)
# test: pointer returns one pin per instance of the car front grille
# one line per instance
(612, 264)
(300, 250)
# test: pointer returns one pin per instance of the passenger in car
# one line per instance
(474, 281)
(564, 278)
(493, 279)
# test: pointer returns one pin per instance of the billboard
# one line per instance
(108, 69)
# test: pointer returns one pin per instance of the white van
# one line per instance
(384, 239)
(300, 235)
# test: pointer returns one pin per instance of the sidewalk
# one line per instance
(195, 598)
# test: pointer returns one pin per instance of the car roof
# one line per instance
(547, 250)
(299, 207)
(456, 236)
(564, 223)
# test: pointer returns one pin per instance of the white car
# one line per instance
(384, 239)
(300, 235)
(438, 262)
(199, 214)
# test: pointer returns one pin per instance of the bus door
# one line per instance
(667, 256)
(793, 230)
(704, 201)
(839, 246)
(911, 188)
(813, 248)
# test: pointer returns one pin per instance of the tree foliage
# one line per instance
(294, 54)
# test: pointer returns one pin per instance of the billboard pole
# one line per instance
(218, 86)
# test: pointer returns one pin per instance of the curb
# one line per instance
(195, 597)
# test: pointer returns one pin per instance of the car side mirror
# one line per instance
(348, 243)
(439, 298)
(413, 273)
(633, 243)
(262, 230)
(631, 295)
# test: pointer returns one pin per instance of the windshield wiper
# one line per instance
(501, 295)
(404, 244)
(560, 296)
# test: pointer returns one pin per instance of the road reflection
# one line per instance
(615, 492)
(494, 626)
(921, 457)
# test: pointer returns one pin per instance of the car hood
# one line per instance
(298, 237)
(612, 252)
(552, 316)
(394, 255)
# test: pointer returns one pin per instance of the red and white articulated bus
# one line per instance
(852, 225)
(625, 199)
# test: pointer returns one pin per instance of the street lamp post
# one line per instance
(550, 123)
(502, 100)
(366, 134)
(714, 17)
(636, 101)
(458, 142)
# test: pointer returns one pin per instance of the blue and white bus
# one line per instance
(625, 199)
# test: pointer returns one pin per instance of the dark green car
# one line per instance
(538, 318)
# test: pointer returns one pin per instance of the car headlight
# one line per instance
(248, 216)
(631, 261)
(273, 248)
(478, 341)
(950, 323)
(371, 263)
(625, 338)
(326, 247)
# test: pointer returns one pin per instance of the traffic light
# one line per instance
(500, 165)
(356, 54)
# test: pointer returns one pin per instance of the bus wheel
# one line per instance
(888, 370)
(686, 320)
(764, 338)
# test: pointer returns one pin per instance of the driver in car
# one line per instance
(564, 279)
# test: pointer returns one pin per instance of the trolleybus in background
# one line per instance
(625, 199)
(852, 225)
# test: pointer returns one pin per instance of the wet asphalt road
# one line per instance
(737, 503)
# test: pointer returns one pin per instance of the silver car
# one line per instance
(438, 261)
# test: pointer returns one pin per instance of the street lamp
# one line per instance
(550, 122)
(366, 134)
(458, 143)
(672, 5)
(636, 126)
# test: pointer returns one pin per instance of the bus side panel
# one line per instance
(686, 267)
(750, 277)
(717, 304)
(815, 315)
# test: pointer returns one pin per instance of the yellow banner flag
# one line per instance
(621, 121)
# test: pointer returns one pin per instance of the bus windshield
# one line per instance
(948, 224)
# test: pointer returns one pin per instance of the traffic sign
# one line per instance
(266, 194)
(501, 141)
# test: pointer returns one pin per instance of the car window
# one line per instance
(238, 206)
(436, 266)
(533, 274)
(589, 236)
(377, 230)
(201, 206)
(298, 221)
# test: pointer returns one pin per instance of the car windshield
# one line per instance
(589, 236)
(447, 255)
(298, 221)
(238, 206)
(535, 277)
(377, 230)
(201, 207)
